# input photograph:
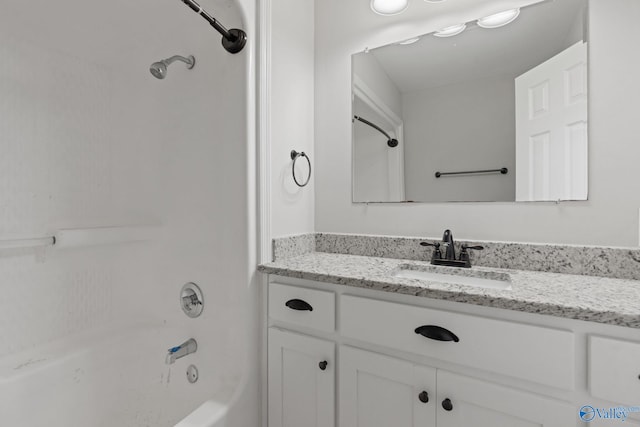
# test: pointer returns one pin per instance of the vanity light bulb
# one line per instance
(410, 41)
(389, 7)
(499, 19)
(451, 31)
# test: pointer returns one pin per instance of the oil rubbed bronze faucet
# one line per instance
(449, 258)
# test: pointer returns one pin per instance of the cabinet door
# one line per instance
(301, 381)
(466, 402)
(381, 391)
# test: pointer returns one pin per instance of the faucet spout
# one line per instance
(184, 349)
(447, 239)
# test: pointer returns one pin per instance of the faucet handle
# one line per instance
(436, 252)
(464, 255)
(436, 245)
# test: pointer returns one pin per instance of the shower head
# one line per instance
(159, 69)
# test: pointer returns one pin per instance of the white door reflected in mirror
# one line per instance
(551, 128)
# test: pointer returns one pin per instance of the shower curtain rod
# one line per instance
(391, 142)
(233, 40)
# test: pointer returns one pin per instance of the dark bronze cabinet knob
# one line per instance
(447, 405)
(424, 397)
(323, 365)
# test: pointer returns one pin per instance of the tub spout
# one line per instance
(181, 351)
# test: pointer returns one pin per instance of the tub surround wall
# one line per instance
(56, 117)
(600, 261)
(89, 138)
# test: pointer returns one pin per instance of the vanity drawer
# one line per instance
(614, 370)
(302, 306)
(533, 353)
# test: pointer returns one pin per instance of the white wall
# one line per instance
(461, 127)
(609, 217)
(291, 114)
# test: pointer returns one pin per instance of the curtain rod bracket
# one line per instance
(233, 40)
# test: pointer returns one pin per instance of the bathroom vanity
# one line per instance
(353, 341)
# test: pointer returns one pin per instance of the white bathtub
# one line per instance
(210, 414)
(112, 378)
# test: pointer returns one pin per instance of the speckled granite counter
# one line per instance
(594, 299)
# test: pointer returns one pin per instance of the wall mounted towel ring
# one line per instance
(294, 156)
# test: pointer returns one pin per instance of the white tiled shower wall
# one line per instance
(55, 117)
(55, 171)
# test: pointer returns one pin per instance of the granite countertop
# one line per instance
(588, 298)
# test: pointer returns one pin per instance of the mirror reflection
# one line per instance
(489, 110)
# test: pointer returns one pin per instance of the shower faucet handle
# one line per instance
(191, 300)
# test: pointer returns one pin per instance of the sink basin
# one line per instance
(455, 276)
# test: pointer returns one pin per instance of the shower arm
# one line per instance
(391, 142)
(174, 58)
(233, 40)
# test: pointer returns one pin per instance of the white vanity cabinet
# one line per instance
(403, 361)
(301, 380)
(382, 391)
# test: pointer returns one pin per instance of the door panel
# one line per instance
(381, 391)
(475, 403)
(301, 393)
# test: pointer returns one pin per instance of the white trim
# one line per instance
(264, 188)
(369, 97)
(264, 132)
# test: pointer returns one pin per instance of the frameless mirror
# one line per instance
(477, 112)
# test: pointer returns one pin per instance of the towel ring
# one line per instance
(294, 156)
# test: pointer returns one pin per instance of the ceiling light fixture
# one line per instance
(499, 19)
(451, 31)
(389, 7)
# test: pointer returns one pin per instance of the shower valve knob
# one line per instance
(191, 300)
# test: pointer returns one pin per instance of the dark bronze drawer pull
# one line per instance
(298, 304)
(437, 333)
